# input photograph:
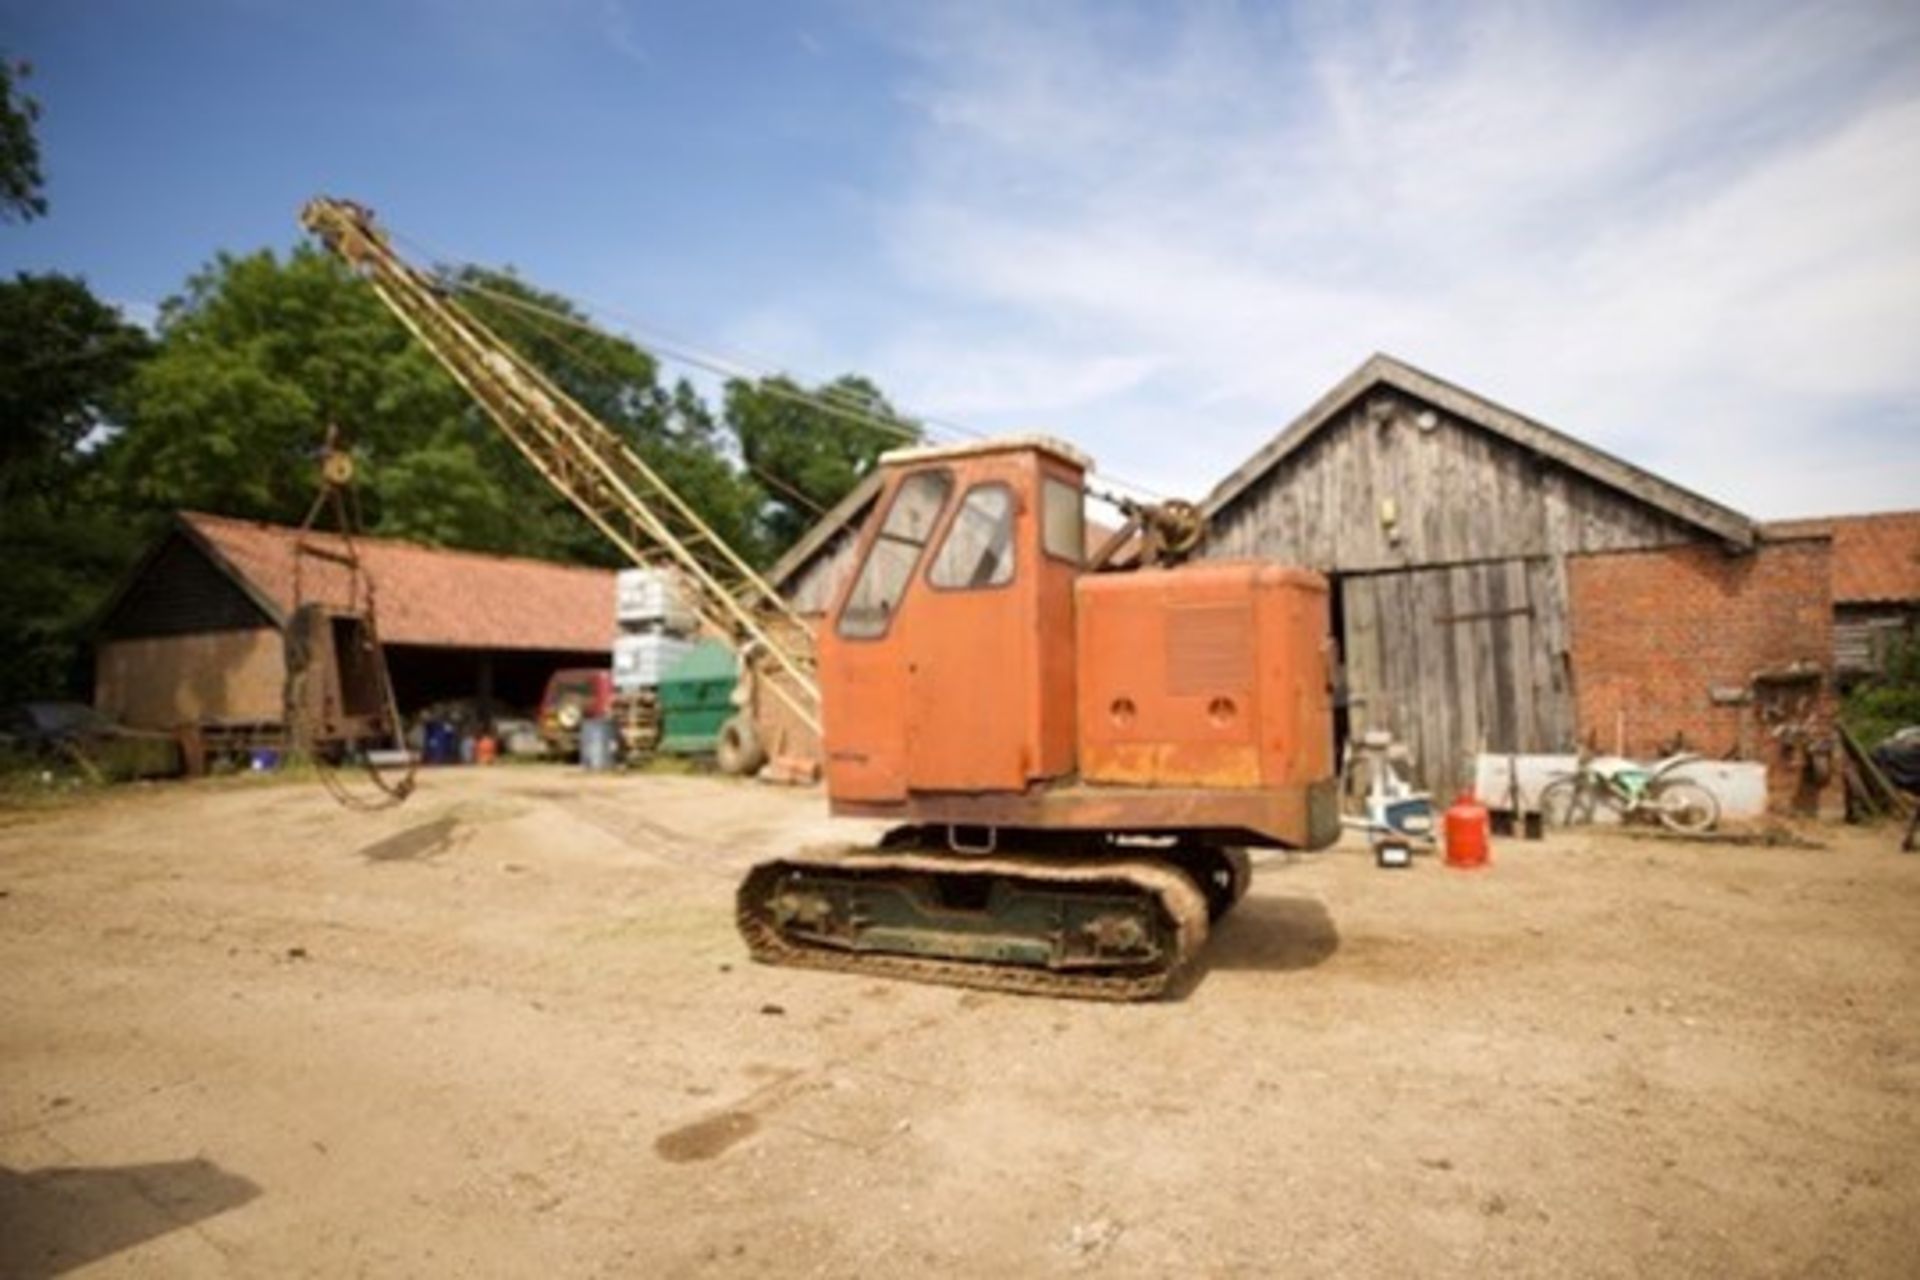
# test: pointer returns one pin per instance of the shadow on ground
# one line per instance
(1275, 935)
(55, 1220)
(420, 841)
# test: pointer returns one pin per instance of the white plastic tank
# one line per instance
(649, 599)
(640, 660)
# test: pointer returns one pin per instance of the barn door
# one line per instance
(1459, 659)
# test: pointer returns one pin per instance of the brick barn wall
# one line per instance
(1654, 633)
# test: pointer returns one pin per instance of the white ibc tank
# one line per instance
(639, 661)
(647, 598)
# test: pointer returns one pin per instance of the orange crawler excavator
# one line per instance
(1076, 760)
(1074, 754)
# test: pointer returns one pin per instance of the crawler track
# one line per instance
(1172, 908)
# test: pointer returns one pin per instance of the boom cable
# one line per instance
(831, 400)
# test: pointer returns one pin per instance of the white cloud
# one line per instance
(1694, 238)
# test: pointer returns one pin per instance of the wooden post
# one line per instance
(484, 683)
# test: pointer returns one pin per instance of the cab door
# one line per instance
(971, 662)
(866, 651)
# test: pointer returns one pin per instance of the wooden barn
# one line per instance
(1447, 524)
(194, 636)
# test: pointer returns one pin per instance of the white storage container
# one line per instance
(638, 661)
(649, 598)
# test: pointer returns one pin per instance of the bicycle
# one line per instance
(1633, 791)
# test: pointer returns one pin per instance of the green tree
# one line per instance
(255, 358)
(671, 428)
(20, 178)
(65, 361)
(260, 352)
(807, 449)
(65, 357)
(1889, 700)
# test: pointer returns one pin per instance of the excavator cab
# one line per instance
(947, 664)
(975, 675)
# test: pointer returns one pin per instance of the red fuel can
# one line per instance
(1469, 834)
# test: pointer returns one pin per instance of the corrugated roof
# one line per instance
(1876, 558)
(426, 595)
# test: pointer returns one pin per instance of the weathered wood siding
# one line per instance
(1459, 493)
(1455, 610)
(812, 588)
(1461, 659)
(1864, 634)
(181, 591)
(211, 677)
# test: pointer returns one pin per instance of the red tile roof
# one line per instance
(426, 595)
(1875, 558)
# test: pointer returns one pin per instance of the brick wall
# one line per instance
(1657, 634)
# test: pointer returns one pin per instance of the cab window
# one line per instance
(889, 566)
(1063, 521)
(978, 551)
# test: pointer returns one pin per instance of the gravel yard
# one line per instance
(508, 1030)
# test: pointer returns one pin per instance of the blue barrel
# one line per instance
(440, 744)
(597, 743)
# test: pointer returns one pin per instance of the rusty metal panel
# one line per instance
(1209, 648)
(963, 689)
(1210, 675)
(1297, 815)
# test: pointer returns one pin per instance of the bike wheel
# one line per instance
(1684, 806)
(1565, 803)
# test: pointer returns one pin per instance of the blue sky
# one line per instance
(1686, 233)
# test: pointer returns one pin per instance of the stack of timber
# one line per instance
(1870, 794)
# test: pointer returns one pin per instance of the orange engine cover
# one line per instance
(1212, 674)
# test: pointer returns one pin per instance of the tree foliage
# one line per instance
(619, 384)
(1889, 700)
(255, 359)
(108, 431)
(65, 358)
(20, 178)
(807, 450)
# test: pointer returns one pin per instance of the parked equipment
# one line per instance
(575, 695)
(1072, 761)
(1631, 790)
(1398, 819)
(338, 693)
(696, 700)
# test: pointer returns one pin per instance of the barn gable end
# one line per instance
(1446, 523)
(1396, 468)
(181, 589)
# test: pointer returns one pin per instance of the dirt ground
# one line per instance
(508, 1030)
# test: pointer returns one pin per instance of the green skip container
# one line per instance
(696, 698)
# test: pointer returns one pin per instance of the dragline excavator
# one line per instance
(1074, 758)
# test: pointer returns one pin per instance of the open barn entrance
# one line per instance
(509, 680)
(1337, 626)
